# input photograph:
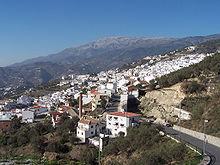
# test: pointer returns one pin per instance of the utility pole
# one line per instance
(99, 156)
(180, 109)
(204, 140)
(80, 104)
(99, 152)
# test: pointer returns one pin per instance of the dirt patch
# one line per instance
(160, 103)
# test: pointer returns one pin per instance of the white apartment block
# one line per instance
(117, 122)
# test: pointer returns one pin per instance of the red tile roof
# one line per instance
(94, 91)
(125, 114)
(132, 88)
(88, 120)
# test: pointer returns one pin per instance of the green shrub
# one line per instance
(192, 87)
(57, 147)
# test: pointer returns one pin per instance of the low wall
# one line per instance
(210, 139)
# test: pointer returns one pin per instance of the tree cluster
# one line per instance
(35, 134)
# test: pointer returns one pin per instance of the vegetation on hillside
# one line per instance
(203, 108)
(144, 145)
(192, 87)
(40, 140)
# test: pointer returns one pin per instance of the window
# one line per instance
(82, 133)
(91, 126)
(116, 118)
(122, 125)
(91, 132)
(116, 123)
(78, 132)
(109, 123)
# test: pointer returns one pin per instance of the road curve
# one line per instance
(211, 150)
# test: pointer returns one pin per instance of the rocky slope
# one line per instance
(161, 103)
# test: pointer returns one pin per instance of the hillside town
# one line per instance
(109, 82)
(100, 101)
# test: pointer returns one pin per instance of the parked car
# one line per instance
(168, 124)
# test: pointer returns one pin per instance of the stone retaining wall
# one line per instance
(210, 139)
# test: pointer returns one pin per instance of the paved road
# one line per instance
(210, 149)
(113, 104)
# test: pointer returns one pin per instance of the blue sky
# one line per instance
(31, 28)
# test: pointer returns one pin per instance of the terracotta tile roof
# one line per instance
(88, 120)
(125, 114)
(94, 91)
(132, 88)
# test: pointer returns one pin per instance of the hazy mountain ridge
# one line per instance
(98, 47)
(149, 46)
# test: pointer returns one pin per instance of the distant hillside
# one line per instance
(104, 54)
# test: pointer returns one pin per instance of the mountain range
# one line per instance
(103, 54)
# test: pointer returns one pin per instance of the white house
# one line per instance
(105, 92)
(85, 97)
(122, 82)
(117, 122)
(25, 100)
(103, 79)
(111, 86)
(5, 115)
(87, 127)
(133, 91)
(27, 116)
(182, 114)
(17, 112)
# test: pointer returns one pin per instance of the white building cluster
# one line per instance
(94, 88)
(159, 66)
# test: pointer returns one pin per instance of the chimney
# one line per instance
(80, 105)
